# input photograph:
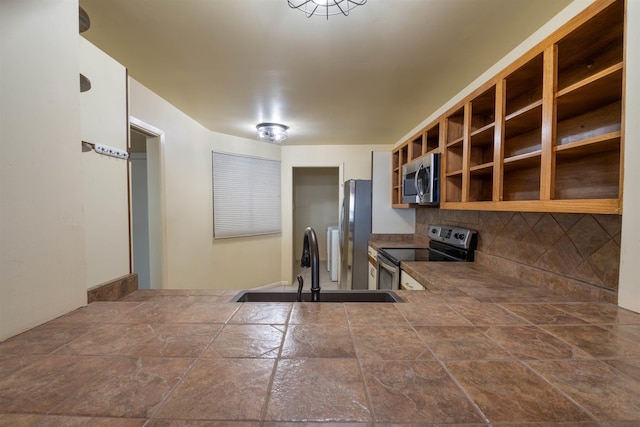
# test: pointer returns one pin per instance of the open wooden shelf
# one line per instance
(423, 143)
(545, 134)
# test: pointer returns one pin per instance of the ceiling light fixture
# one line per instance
(271, 132)
(325, 7)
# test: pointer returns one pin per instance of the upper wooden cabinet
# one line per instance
(425, 142)
(545, 135)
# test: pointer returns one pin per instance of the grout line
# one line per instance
(359, 361)
(263, 411)
(475, 406)
(559, 390)
(166, 398)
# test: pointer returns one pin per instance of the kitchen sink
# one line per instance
(325, 296)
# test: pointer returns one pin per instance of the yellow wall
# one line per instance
(353, 161)
(193, 259)
(103, 121)
(42, 260)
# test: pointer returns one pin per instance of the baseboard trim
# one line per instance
(273, 285)
(114, 289)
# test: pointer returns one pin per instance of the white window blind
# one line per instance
(246, 196)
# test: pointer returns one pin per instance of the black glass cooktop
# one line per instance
(396, 255)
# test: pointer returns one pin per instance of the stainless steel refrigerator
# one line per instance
(355, 230)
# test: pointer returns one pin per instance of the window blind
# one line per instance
(246, 196)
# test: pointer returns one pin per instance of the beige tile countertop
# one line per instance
(449, 356)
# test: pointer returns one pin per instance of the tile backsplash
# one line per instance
(582, 248)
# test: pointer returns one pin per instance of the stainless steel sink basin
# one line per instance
(325, 296)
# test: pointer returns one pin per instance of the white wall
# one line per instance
(385, 219)
(106, 210)
(629, 283)
(353, 161)
(194, 260)
(41, 221)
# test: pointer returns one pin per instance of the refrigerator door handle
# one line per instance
(341, 228)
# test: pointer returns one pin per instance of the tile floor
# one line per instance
(191, 358)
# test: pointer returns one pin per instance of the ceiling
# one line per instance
(366, 78)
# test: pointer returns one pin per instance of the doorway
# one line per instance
(316, 193)
(146, 208)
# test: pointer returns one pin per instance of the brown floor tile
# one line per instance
(10, 363)
(629, 367)
(129, 387)
(389, 342)
(569, 424)
(374, 314)
(596, 341)
(139, 339)
(530, 342)
(425, 296)
(316, 424)
(207, 312)
(506, 391)
(314, 313)
(221, 389)
(323, 340)
(487, 314)
(192, 423)
(461, 342)
(262, 313)
(39, 386)
(153, 312)
(504, 293)
(59, 420)
(18, 420)
(604, 391)
(600, 313)
(405, 392)
(44, 339)
(432, 315)
(543, 314)
(100, 312)
(247, 341)
(317, 390)
(630, 332)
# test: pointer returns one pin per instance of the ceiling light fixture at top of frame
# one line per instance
(325, 8)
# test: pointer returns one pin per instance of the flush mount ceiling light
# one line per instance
(325, 7)
(271, 132)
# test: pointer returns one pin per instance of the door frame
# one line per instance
(157, 209)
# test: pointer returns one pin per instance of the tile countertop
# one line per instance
(447, 356)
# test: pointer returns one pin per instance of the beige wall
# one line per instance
(353, 161)
(106, 211)
(629, 286)
(42, 261)
(315, 204)
(193, 259)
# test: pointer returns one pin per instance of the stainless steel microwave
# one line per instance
(421, 180)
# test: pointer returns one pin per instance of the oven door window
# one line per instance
(388, 276)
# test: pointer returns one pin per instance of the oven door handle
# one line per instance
(383, 263)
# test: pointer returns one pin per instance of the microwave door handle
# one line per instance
(418, 183)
